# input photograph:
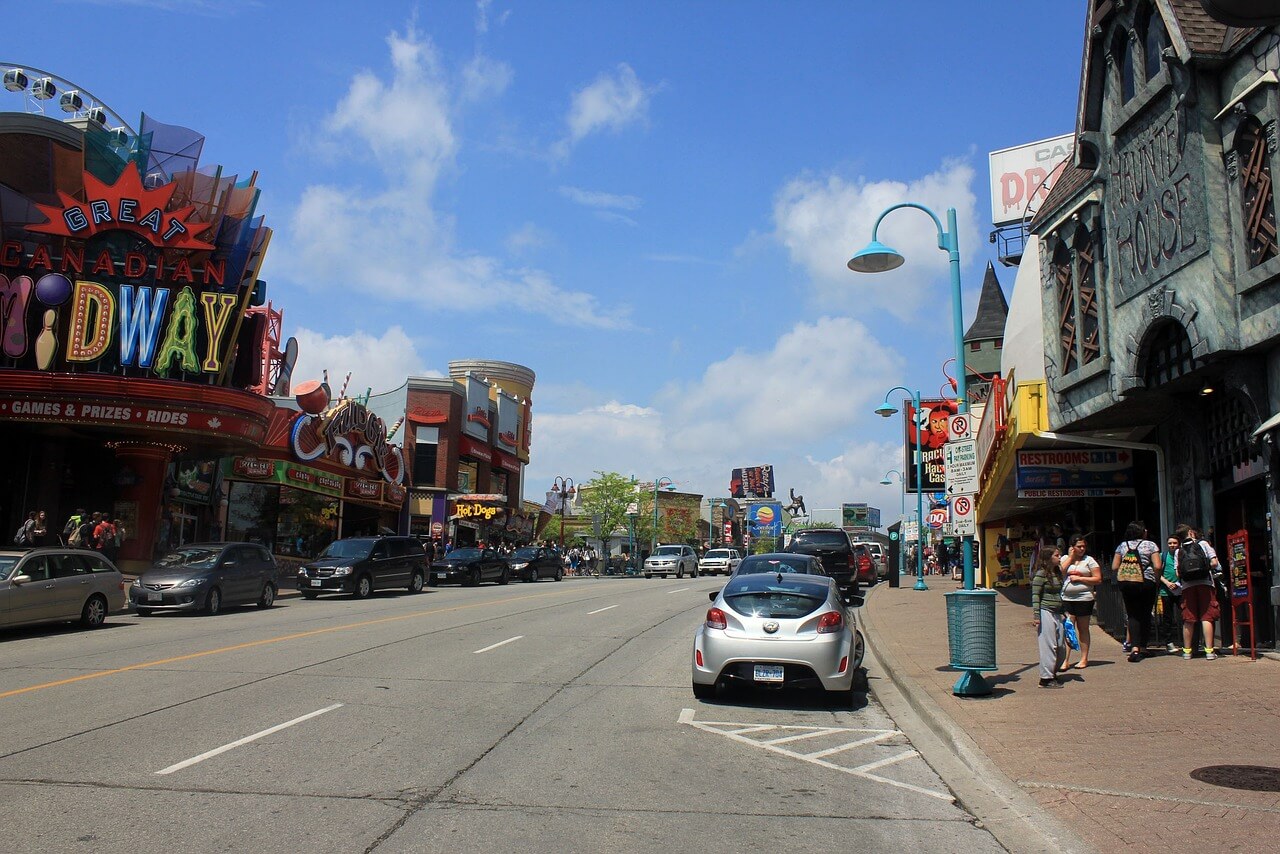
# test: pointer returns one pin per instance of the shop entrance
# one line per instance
(359, 520)
(184, 529)
(1245, 508)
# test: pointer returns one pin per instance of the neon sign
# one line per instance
(351, 434)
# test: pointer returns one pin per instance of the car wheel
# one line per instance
(693, 573)
(503, 579)
(648, 575)
(704, 692)
(212, 602)
(416, 583)
(679, 571)
(858, 652)
(268, 597)
(364, 587)
(473, 580)
(145, 612)
(307, 595)
(94, 613)
(559, 573)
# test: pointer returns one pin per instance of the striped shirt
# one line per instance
(1046, 594)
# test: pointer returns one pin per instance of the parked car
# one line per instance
(533, 563)
(671, 560)
(832, 545)
(471, 566)
(719, 561)
(361, 565)
(768, 631)
(48, 585)
(205, 577)
(781, 563)
(879, 556)
(865, 564)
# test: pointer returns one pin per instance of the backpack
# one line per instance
(20, 538)
(76, 537)
(1193, 563)
(1130, 565)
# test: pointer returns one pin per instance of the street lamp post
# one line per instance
(563, 486)
(971, 614)
(712, 539)
(902, 516)
(887, 409)
(658, 484)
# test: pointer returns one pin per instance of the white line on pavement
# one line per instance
(677, 590)
(498, 644)
(266, 732)
(834, 750)
(598, 610)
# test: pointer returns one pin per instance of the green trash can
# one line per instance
(971, 629)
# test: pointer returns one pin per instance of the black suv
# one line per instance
(360, 565)
(833, 547)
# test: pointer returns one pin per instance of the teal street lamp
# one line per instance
(886, 410)
(711, 519)
(970, 613)
(658, 484)
(902, 515)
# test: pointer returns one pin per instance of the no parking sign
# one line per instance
(962, 516)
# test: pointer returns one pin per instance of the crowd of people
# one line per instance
(1184, 577)
(97, 531)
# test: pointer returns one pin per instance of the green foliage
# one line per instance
(764, 545)
(607, 495)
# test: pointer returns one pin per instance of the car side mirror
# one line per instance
(712, 595)
(853, 601)
(21, 578)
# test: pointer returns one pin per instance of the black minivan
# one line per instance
(360, 565)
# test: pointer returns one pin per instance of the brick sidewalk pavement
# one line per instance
(1111, 753)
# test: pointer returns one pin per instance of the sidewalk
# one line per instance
(1110, 754)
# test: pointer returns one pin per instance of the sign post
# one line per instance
(1241, 590)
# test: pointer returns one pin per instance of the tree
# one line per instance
(606, 497)
(763, 545)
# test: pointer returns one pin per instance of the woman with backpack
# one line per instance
(1082, 575)
(1137, 566)
(1047, 615)
(1197, 563)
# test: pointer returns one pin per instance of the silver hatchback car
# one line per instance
(46, 585)
(777, 630)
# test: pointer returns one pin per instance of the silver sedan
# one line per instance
(775, 631)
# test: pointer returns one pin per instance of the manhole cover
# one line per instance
(1255, 778)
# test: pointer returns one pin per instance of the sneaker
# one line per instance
(1186, 654)
(1172, 647)
(1210, 655)
(1126, 646)
(1050, 683)
(1135, 656)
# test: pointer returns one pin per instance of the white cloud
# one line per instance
(380, 363)
(527, 238)
(597, 199)
(390, 242)
(823, 221)
(485, 77)
(610, 102)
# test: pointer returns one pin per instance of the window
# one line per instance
(975, 346)
(1154, 42)
(1168, 355)
(1122, 55)
(1257, 203)
(425, 455)
(1065, 290)
(1075, 281)
(999, 343)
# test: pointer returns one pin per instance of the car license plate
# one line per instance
(155, 597)
(440, 576)
(769, 673)
(316, 582)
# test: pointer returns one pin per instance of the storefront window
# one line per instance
(307, 522)
(426, 445)
(252, 513)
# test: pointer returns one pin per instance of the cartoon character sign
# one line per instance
(926, 433)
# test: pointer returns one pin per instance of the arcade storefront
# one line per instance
(121, 300)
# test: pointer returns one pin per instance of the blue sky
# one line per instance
(649, 204)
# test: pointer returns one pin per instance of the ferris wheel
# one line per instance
(36, 90)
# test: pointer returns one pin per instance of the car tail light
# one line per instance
(851, 564)
(697, 656)
(716, 619)
(832, 621)
(844, 664)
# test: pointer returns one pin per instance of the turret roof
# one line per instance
(988, 323)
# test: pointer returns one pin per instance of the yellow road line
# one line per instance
(250, 644)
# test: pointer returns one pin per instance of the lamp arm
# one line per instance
(945, 240)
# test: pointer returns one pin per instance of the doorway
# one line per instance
(1244, 507)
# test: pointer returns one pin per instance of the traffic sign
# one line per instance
(937, 517)
(958, 427)
(961, 462)
(962, 516)
(910, 531)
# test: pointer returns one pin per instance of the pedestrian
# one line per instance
(119, 535)
(1136, 563)
(74, 521)
(1196, 563)
(104, 535)
(1047, 615)
(85, 533)
(1082, 575)
(1170, 597)
(40, 535)
(26, 531)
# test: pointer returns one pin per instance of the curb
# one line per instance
(1001, 806)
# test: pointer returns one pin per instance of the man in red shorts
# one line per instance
(1196, 563)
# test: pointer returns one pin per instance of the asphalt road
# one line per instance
(531, 717)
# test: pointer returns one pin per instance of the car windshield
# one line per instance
(526, 554)
(357, 549)
(7, 563)
(667, 551)
(775, 565)
(767, 596)
(717, 553)
(822, 538)
(195, 558)
(465, 554)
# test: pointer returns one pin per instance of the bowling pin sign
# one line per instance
(46, 341)
(14, 296)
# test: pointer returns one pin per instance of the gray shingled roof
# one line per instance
(988, 323)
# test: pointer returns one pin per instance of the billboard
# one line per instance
(508, 422)
(1075, 473)
(764, 520)
(476, 422)
(926, 433)
(859, 515)
(752, 482)
(1024, 171)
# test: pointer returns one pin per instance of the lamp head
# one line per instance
(875, 258)
(884, 481)
(886, 409)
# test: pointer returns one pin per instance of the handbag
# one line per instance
(1069, 633)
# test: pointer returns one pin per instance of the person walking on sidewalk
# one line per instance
(1170, 599)
(1196, 563)
(1047, 615)
(1082, 575)
(1137, 566)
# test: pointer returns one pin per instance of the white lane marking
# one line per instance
(833, 750)
(677, 590)
(598, 610)
(687, 717)
(786, 738)
(496, 645)
(186, 763)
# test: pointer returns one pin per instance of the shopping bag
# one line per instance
(1069, 632)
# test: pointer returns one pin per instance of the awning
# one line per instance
(1267, 426)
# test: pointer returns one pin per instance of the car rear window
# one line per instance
(822, 538)
(775, 565)
(766, 596)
